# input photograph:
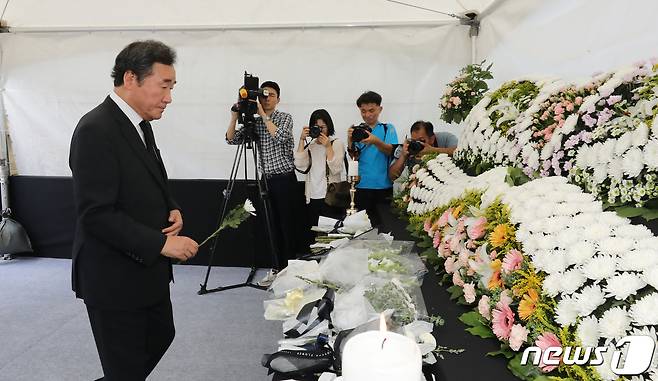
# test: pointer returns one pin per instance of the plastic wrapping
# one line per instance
(287, 279)
(345, 266)
(290, 305)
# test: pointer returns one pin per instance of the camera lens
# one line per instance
(415, 147)
(314, 131)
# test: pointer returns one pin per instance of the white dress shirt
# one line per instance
(134, 117)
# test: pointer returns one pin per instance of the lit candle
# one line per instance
(381, 356)
(353, 168)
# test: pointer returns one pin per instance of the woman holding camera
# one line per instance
(322, 161)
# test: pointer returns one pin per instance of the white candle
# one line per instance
(381, 356)
(353, 168)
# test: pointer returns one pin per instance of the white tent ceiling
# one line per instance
(194, 14)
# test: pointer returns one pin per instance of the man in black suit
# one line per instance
(127, 221)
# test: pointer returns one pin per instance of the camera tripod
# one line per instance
(249, 142)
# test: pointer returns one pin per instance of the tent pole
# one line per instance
(474, 55)
(4, 156)
(471, 19)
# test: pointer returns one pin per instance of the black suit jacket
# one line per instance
(123, 203)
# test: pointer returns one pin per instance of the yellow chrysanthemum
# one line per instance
(500, 235)
(528, 304)
(457, 211)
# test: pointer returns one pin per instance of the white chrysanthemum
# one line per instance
(600, 173)
(623, 285)
(649, 243)
(571, 281)
(607, 152)
(542, 260)
(600, 267)
(651, 276)
(552, 284)
(582, 157)
(578, 198)
(614, 323)
(570, 124)
(635, 232)
(592, 155)
(640, 135)
(616, 169)
(580, 253)
(544, 242)
(611, 219)
(615, 245)
(589, 299)
(650, 153)
(637, 260)
(588, 332)
(566, 311)
(584, 220)
(623, 143)
(644, 310)
(568, 237)
(633, 162)
(597, 232)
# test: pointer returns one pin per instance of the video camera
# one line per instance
(247, 105)
(359, 133)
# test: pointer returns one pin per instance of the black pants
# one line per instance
(131, 343)
(288, 217)
(371, 200)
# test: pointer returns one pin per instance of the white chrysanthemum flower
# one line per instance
(597, 232)
(637, 260)
(552, 284)
(650, 153)
(600, 173)
(616, 169)
(651, 276)
(635, 232)
(633, 162)
(644, 310)
(592, 155)
(544, 242)
(615, 245)
(588, 332)
(600, 267)
(582, 157)
(584, 220)
(607, 152)
(614, 323)
(570, 124)
(623, 285)
(580, 253)
(571, 281)
(589, 102)
(622, 144)
(542, 260)
(566, 311)
(649, 243)
(589, 299)
(640, 135)
(568, 237)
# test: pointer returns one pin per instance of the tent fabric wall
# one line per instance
(50, 80)
(569, 39)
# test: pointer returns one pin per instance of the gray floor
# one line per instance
(45, 334)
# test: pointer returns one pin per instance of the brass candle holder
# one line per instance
(353, 181)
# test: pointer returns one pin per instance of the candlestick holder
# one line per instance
(353, 180)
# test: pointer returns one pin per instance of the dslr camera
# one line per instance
(360, 132)
(248, 96)
(415, 146)
(314, 131)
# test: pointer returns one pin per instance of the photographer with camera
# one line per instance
(273, 131)
(322, 160)
(423, 141)
(371, 143)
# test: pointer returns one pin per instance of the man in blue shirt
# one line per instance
(373, 153)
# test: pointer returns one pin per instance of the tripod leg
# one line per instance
(227, 197)
(264, 196)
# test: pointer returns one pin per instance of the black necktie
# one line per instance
(149, 138)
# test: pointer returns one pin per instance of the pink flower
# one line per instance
(464, 253)
(470, 244)
(475, 229)
(427, 225)
(512, 261)
(443, 249)
(545, 341)
(437, 239)
(502, 319)
(469, 292)
(493, 255)
(558, 109)
(455, 243)
(504, 298)
(614, 99)
(460, 226)
(456, 101)
(449, 265)
(443, 220)
(518, 336)
(457, 279)
(578, 101)
(483, 307)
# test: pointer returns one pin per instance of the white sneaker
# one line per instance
(269, 278)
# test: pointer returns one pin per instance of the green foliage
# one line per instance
(464, 92)
(516, 177)
(477, 326)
